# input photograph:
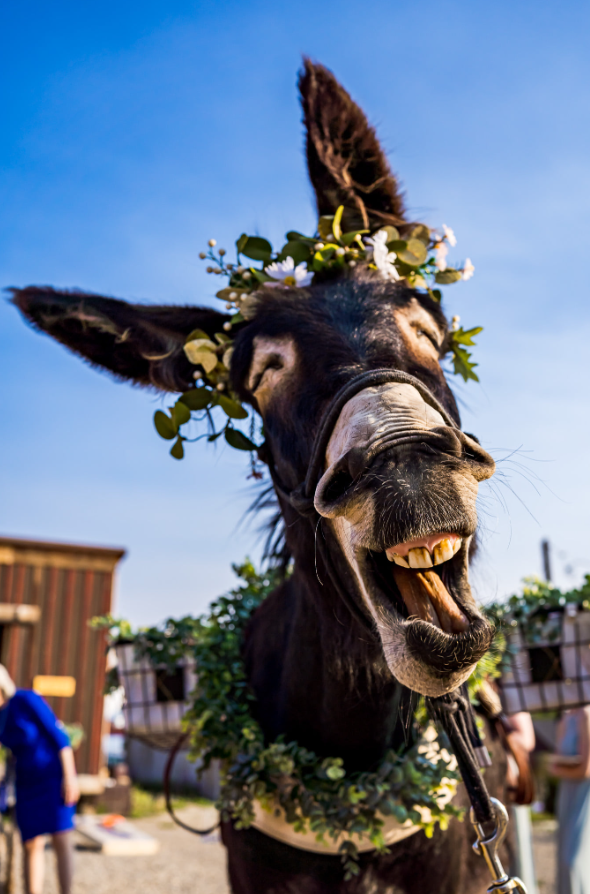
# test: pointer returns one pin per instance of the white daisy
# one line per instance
(449, 235)
(468, 269)
(382, 258)
(287, 274)
(441, 251)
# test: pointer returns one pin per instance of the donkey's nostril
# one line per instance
(337, 486)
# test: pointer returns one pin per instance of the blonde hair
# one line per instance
(7, 687)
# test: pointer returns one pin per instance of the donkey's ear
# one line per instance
(141, 342)
(346, 163)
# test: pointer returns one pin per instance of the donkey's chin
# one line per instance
(431, 630)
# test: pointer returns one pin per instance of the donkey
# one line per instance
(379, 603)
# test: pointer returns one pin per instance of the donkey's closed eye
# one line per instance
(274, 362)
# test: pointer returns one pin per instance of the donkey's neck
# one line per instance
(319, 676)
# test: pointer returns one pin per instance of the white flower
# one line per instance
(449, 235)
(441, 251)
(383, 259)
(468, 269)
(287, 274)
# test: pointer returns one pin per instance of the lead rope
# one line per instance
(455, 715)
(167, 773)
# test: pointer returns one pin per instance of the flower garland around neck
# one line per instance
(420, 257)
(314, 793)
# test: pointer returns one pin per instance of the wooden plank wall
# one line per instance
(62, 643)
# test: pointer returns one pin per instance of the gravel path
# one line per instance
(187, 864)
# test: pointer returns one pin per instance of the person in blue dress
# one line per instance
(571, 765)
(46, 782)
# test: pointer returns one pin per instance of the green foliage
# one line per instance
(534, 609)
(117, 628)
(315, 794)
(327, 253)
(462, 364)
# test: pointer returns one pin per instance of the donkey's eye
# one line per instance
(429, 335)
(274, 362)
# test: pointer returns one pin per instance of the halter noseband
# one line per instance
(302, 496)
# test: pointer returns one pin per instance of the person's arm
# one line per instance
(71, 787)
(523, 730)
(582, 769)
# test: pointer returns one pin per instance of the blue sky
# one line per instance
(133, 132)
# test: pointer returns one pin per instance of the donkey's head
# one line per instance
(397, 479)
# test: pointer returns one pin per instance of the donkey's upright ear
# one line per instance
(346, 163)
(140, 342)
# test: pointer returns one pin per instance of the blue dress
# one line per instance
(30, 729)
(573, 814)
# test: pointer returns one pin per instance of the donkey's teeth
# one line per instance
(445, 550)
(399, 560)
(419, 557)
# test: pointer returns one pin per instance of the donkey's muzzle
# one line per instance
(404, 465)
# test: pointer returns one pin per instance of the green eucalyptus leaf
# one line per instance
(180, 413)
(422, 233)
(335, 773)
(436, 294)
(165, 426)
(196, 334)
(177, 450)
(240, 243)
(238, 440)
(231, 407)
(446, 277)
(197, 398)
(392, 233)
(260, 276)
(413, 254)
(256, 248)
(299, 251)
(214, 437)
(294, 236)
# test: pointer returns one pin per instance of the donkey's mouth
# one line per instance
(425, 580)
(431, 630)
(424, 591)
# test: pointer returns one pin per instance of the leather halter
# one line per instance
(301, 497)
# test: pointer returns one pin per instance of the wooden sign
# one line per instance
(61, 687)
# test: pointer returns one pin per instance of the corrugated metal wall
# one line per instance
(71, 585)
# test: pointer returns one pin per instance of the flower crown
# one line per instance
(420, 258)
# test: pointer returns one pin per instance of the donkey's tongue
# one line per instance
(426, 597)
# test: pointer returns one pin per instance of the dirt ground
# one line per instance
(186, 864)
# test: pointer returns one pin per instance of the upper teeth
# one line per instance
(419, 556)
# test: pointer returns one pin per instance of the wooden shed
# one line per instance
(48, 594)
